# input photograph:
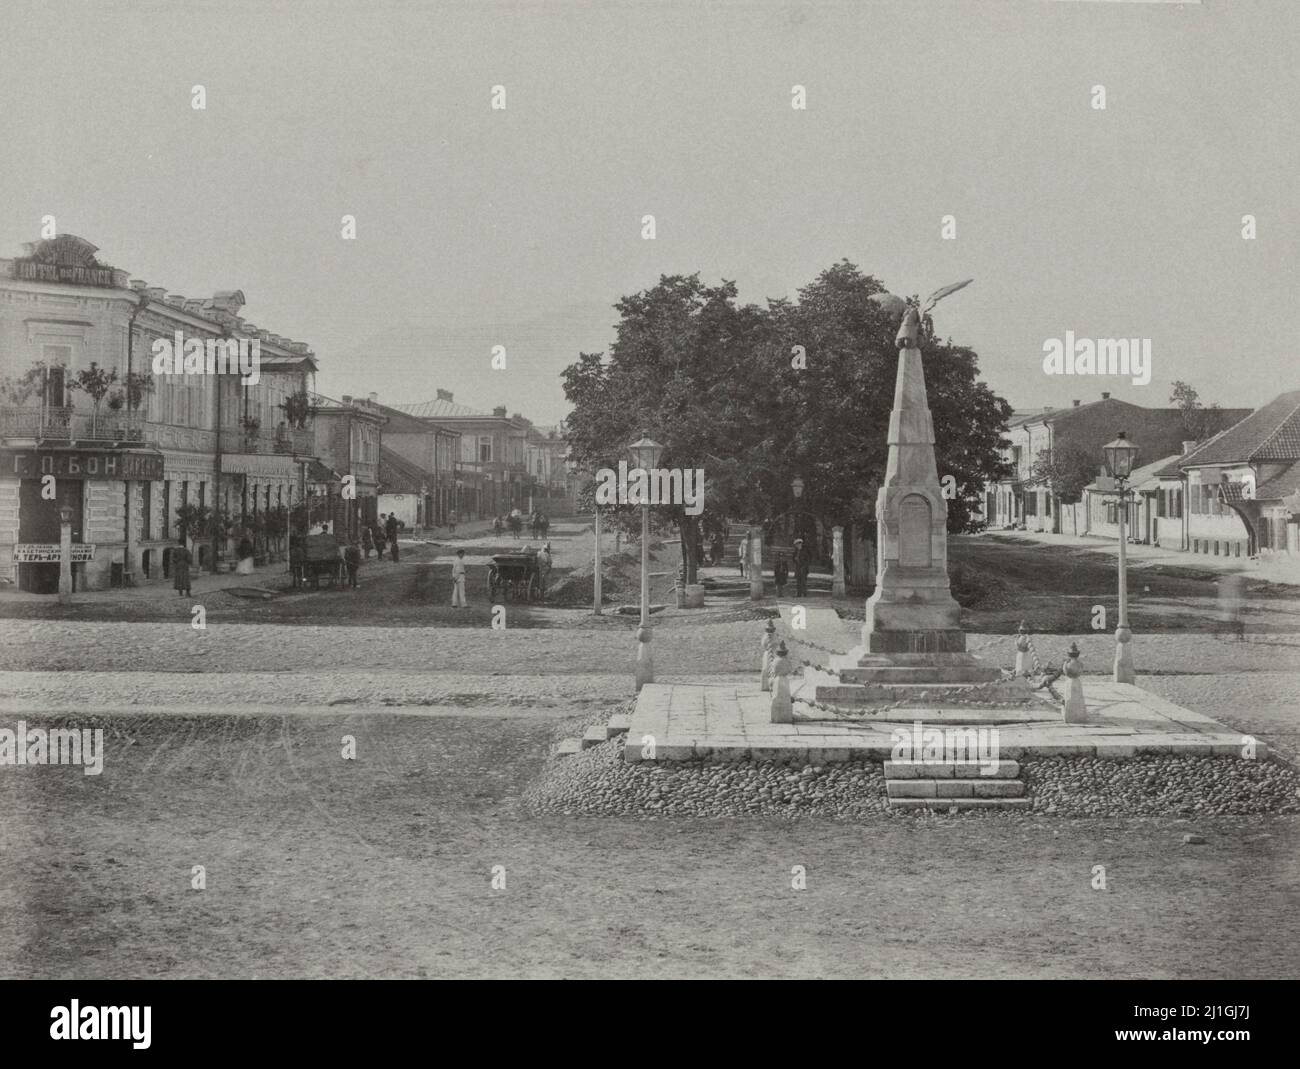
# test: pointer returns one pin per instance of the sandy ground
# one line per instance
(321, 867)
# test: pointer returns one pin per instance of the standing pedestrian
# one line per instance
(800, 569)
(744, 553)
(352, 558)
(367, 541)
(390, 529)
(245, 566)
(496, 526)
(379, 539)
(181, 570)
(715, 550)
(458, 580)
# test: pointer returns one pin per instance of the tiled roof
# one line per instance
(397, 475)
(1268, 433)
(439, 407)
(1283, 485)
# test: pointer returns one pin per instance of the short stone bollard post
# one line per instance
(765, 659)
(1076, 709)
(1022, 651)
(645, 665)
(782, 709)
(1124, 655)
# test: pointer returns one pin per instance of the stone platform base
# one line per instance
(733, 723)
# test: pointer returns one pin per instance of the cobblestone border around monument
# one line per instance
(598, 782)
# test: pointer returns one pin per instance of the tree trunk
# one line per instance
(690, 536)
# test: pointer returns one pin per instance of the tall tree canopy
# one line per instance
(720, 386)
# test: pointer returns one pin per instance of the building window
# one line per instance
(1031, 504)
(485, 449)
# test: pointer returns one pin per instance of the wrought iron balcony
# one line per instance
(46, 423)
(296, 440)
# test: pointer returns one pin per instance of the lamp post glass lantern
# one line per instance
(796, 487)
(1119, 457)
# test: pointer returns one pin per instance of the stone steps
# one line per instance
(921, 675)
(1002, 769)
(595, 735)
(943, 786)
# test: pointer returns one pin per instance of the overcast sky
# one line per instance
(522, 227)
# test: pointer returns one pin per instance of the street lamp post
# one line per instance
(572, 466)
(1119, 456)
(645, 455)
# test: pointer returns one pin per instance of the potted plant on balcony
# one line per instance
(251, 425)
(137, 383)
(297, 408)
(116, 402)
(95, 382)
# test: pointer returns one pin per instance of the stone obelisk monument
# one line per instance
(912, 609)
(913, 624)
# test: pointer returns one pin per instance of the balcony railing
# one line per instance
(284, 441)
(296, 440)
(68, 424)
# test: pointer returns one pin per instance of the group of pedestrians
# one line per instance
(380, 535)
(800, 561)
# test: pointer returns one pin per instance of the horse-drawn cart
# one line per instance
(313, 556)
(521, 574)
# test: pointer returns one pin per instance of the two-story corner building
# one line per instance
(547, 451)
(123, 447)
(1243, 485)
(349, 436)
(1018, 502)
(426, 472)
(493, 476)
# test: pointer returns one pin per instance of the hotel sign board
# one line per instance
(78, 274)
(81, 464)
(50, 553)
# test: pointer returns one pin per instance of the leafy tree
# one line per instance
(1200, 421)
(1065, 472)
(714, 382)
(194, 521)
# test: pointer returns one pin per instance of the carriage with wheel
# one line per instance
(313, 556)
(520, 575)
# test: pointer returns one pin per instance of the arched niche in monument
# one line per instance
(914, 549)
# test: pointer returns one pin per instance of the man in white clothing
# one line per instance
(458, 580)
